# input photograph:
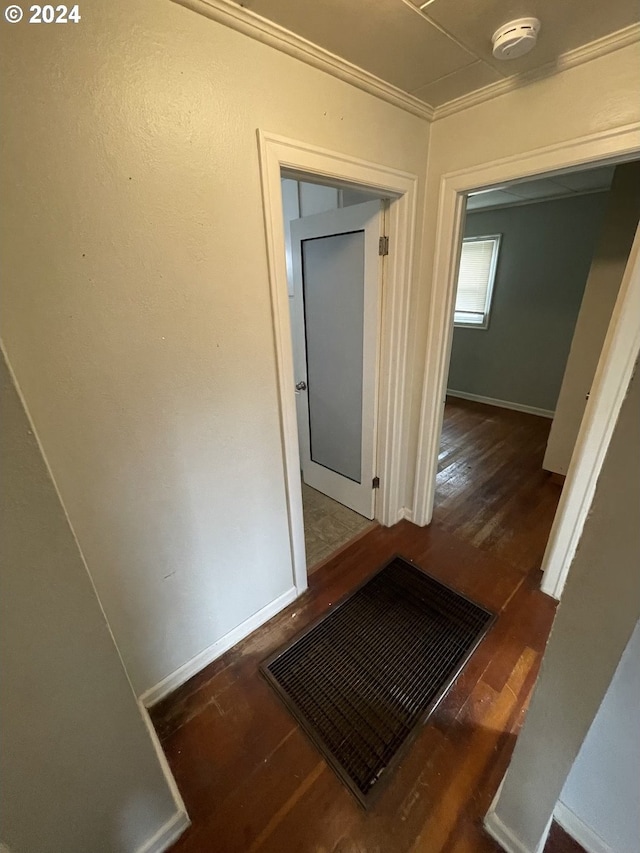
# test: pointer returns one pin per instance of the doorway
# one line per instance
(614, 367)
(520, 306)
(297, 160)
(335, 270)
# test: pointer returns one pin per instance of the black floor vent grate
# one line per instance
(361, 679)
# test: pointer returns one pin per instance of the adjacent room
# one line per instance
(541, 263)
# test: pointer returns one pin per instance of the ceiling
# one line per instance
(573, 183)
(444, 51)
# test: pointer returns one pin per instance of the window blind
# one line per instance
(475, 279)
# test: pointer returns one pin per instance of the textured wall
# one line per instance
(78, 771)
(599, 610)
(136, 307)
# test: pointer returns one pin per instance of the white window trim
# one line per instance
(484, 323)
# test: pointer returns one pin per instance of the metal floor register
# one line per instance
(363, 677)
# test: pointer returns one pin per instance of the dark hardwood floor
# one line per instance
(252, 781)
(560, 841)
(491, 488)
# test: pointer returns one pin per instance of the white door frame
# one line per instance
(278, 153)
(619, 352)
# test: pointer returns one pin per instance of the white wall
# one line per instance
(78, 770)
(599, 610)
(601, 797)
(290, 210)
(136, 308)
(597, 96)
(303, 199)
(315, 198)
(601, 291)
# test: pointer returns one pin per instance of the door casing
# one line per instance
(619, 353)
(278, 154)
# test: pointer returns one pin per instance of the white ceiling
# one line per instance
(574, 183)
(443, 52)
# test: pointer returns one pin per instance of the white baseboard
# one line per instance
(501, 404)
(164, 765)
(579, 831)
(405, 513)
(173, 828)
(507, 839)
(150, 697)
(503, 835)
(166, 835)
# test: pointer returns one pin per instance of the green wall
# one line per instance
(544, 262)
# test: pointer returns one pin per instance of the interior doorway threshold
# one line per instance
(324, 560)
(328, 526)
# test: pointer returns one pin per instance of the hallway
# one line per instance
(251, 779)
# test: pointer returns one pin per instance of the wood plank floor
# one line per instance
(251, 779)
(491, 488)
(560, 841)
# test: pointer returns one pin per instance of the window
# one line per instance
(478, 262)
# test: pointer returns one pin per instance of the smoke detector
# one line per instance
(516, 38)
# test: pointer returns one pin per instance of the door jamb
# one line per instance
(277, 153)
(619, 353)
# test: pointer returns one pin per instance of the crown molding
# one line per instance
(261, 29)
(265, 31)
(572, 58)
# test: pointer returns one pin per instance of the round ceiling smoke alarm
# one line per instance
(516, 38)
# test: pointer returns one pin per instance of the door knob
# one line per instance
(301, 386)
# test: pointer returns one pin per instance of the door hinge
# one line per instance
(376, 483)
(383, 246)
